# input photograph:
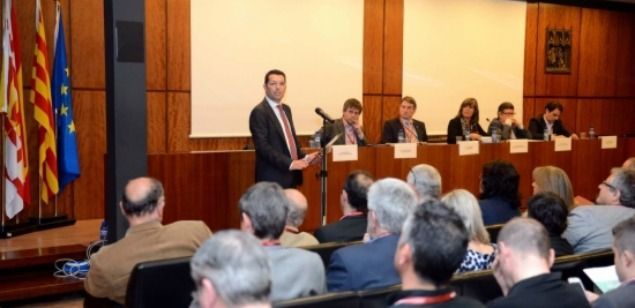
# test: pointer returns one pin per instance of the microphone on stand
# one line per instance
(324, 115)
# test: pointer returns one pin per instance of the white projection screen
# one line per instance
(454, 49)
(317, 43)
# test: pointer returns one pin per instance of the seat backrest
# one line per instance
(480, 285)
(377, 298)
(326, 249)
(337, 299)
(493, 231)
(99, 302)
(162, 283)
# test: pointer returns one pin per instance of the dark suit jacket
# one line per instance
(537, 127)
(456, 130)
(392, 128)
(272, 154)
(337, 127)
(364, 266)
(619, 297)
(351, 228)
(506, 130)
(546, 290)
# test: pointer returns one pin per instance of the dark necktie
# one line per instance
(287, 131)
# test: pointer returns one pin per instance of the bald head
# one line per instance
(526, 236)
(297, 207)
(629, 163)
(142, 196)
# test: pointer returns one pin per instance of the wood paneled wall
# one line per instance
(600, 90)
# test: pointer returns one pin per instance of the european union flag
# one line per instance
(67, 157)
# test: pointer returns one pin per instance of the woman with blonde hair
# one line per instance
(480, 251)
(555, 180)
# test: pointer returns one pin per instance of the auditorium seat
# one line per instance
(336, 299)
(98, 302)
(493, 231)
(377, 298)
(326, 249)
(162, 283)
(480, 285)
(573, 265)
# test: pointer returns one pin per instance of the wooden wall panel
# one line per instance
(155, 44)
(178, 122)
(531, 36)
(390, 108)
(156, 106)
(598, 53)
(393, 47)
(373, 124)
(87, 43)
(557, 16)
(568, 116)
(373, 46)
(607, 116)
(178, 45)
(90, 121)
(625, 85)
(529, 110)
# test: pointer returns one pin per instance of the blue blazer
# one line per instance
(365, 266)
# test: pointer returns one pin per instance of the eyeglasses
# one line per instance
(611, 187)
(509, 113)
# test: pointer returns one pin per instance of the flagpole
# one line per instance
(4, 194)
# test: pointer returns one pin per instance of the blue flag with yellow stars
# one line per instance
(67, 157)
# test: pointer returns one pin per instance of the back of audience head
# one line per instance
(426, 181)
(526, 237)
(231, 269)
(355, 192)
(550, 210)
(624, 249)
(297, 207)
(433, 243)
(553, 179)
(264, 209)
(466, 206)
(142, 196)
(500, 179)
(629, 163)
(620, 188)
(390, 201)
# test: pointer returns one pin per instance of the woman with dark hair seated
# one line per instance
(465, 125)
(551, 211)
(499, 199)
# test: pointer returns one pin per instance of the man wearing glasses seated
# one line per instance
(506, 124)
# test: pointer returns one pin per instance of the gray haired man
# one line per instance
(426, 181)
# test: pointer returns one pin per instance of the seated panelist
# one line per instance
(506, 123)
(549, 122)
(348, 126)
(405, 125)
(465, 125)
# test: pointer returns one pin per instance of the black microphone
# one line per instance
(323, 114)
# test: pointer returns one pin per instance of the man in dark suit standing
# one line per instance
(348, 128)
(278, 155)
(411, 129)
(549, 121)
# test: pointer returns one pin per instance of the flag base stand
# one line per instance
(52, 222)
(8, 231)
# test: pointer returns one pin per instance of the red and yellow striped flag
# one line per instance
(43, 112)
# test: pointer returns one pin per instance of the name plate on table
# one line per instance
(518, 146)
(405, 150)
(609, 142)
(345, 152)
(562, 144)
(468, 147)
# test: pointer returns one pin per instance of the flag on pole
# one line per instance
(67, 158)
(16, 162)
(43, 111)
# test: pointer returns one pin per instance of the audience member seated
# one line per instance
(506, 124)
(499, 199)
(292, 237)
(231, 269)
(549, 209)
(629, 163)
(624, 251)
(370, 265)
(589, 227)
(480, 251)
(147, 239)
(405, 125)
(353, 201)
(549, 122)
(555, 180)
(522, 269)
(348, 127)
(465, 125)
(432, 245)
(295, 272)
(426, 181)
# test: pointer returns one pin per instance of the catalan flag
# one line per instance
(16, 162)
(67, 158)
(43, 112)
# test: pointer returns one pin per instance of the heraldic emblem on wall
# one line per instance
(558, 48)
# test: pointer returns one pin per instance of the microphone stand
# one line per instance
(323, 175)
